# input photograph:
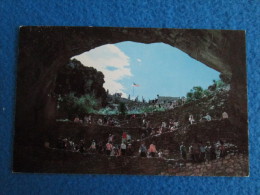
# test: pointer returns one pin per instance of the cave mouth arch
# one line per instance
(52, 47)
(126, 62)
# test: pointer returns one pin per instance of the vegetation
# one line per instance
(198, 92)
(77, 106)
(79, 89)
(80, 80)
(122, 108)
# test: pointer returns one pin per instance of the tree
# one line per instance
(122, 108)
(80, 80)
(197, 92)
(80, 106)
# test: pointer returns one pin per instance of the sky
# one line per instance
(157, 68)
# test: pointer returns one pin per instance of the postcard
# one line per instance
(138, 101)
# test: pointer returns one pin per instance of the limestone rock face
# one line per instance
(44, 50)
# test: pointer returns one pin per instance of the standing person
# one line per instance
(208, 117)
(202, 152)
(85, 120)
(93, 146)
(152, 150)
(191, 119)
(109, 147)
(111, 138)
(142, 150)
(207, 152)
(123, 148)
(224, 115)
(113, 151)
(124, 136)
(183, 151)
(76, 119)
(129, 150)
(212, 152)
(222, 149)
(191, 153)
(128, 137)
(81, 146)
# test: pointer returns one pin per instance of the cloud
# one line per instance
(138, 60)
(112, 62)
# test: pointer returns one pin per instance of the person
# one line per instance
(148, 123)
(224, 115)
(76, 119)
(93, 146)
(160, 130)
(183, 150)
(222, 149)
(129, 150)
(99, 122)
(105, 120)
(123, 148)
(212, 152)
(164, 124)
(124, 136)
(196, 152)
(176, 124)
(142, 150)
(71, 145)
(152, 132)
(128, 137)
(152, 150)
(191, 119)
(113, 151)
(109, 147)
(81, 147)
(207, 117)
(160, 154)
(202, 152)
(144, 123)
(208, 152)
(170, 123)
(110, 138)
(85, 120)
(191, 152)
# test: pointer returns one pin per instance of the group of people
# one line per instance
(207, 117)
(148, 130)
(123, 149)
(199, 152)
(150, 152)
(88, 120)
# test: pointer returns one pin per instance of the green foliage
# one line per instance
(107, 111)
(149, 109)
(122, 108)
(80, 80)
(78, 106)
(197, 92)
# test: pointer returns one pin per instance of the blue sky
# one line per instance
(158, 68)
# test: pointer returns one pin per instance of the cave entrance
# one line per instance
(157, 68)
(41, 59)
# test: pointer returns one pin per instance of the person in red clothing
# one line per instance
(152, 150)
(109, 147)
(124, 136)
